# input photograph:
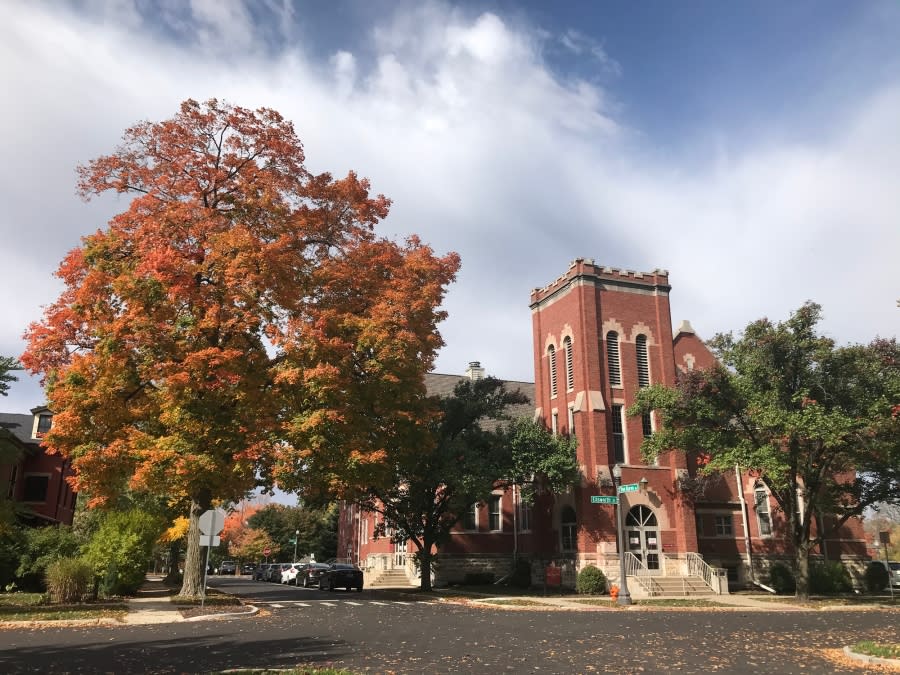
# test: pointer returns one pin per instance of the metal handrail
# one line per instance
(698, 567)
(635, 567)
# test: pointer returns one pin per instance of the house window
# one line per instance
(524, 517)
(723, 526)
(571, 421)
(570, 367)
(568, 529)
(36, 488)
(647, 424)
(365, 531)
(554, 420)
(470, 519)
(12, 482)
(495, 523)
(612, 359)
(699, 521)
(551, 356)
(44, 424)
(618, 434)
(643, 363)
(763, 516)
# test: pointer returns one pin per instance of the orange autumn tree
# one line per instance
(183, 357)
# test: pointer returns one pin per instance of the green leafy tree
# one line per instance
(40, 547)
(317, 530)
(463, 456)
(7, 366)
(819, 424)
(120, 549)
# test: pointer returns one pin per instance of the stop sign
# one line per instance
(266, 551)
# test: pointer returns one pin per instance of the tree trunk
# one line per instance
(192, 585)
(425, 560)
(803, 572)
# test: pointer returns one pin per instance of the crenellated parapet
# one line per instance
(586, 271)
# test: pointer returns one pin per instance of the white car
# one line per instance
(289, 573)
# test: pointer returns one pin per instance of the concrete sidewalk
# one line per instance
(152, 604)
(741, 602)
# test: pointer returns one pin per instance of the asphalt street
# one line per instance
(372, 631)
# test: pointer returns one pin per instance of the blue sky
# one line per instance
(752, 149)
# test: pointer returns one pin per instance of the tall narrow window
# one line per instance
(554, 421)
(647, 424)
(570, 367)
(551, 357)
(643, 363)
(470, 519)
(612, 359)
(524, 517)
(572, 422)
(763, 516)
(568, 529)
(494, 514)
(618, 434)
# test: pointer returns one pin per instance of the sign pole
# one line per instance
(624, 595)
(206, 567)
(886, 542)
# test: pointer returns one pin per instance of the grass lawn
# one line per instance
(879, 649)
(213, 599)
(834, 601)
(32, 607)
(515, 602)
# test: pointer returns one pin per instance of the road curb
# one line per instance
(224, 615)
(875, 660)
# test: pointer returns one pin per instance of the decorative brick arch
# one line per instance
(642, 329)
(612, 325)
(551, 342)
(567, 332)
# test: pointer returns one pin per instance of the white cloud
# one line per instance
(483, 149)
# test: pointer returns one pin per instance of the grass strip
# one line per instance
(880, 649)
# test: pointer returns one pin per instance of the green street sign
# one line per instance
(628, 487)
(600, 499)
(292, 541)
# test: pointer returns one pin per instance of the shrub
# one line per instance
(876, 577)
(782, 579)
(69, 579)
(591, 581)
(41, 547)
(829, 577)
(120, 550)
(521, 576)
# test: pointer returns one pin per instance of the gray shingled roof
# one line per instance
(443, 385)
(19, 425)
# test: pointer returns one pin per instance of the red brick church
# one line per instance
(600, 334)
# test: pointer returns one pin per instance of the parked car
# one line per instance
(341, 575)
(310, 573)
(289, 573)
(259, 574)
(228, 567)
(893, 570)
(248, 568)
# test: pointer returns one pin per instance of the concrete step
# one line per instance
(678, 586)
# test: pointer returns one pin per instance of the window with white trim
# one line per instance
(643, 361)
(568, 529)
(612, 359)
(724, 526)
(551, 358)
(618, 434)
(524, 516)
(470, 519)
(44, 424)
(570, 366)
(763, 515)
(572, 421)
(495, 515)
(647, 424)
(554, 423)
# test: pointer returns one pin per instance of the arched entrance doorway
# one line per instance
(642, 531)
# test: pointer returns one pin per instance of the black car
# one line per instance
(228, 567)
(248, 568)
(341, 575)
(259, 574)
(309, 574)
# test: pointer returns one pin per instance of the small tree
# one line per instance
(591, 581)
(121, 548)
(461, 459)
(41, 547)
(7, 366)
(819, 424)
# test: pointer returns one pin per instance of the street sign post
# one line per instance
(603, 499)
(628, 487)
(211, 523)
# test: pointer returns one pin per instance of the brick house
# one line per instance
(600, 334)
(29, 475)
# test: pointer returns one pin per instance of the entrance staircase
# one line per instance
(674, 578)
(395, 578)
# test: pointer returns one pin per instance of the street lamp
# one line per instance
(624, 595)
(296, 537)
